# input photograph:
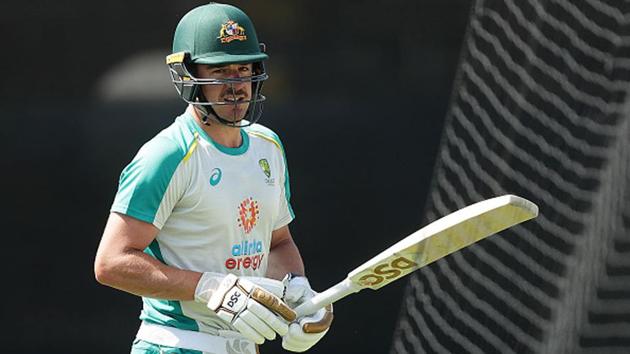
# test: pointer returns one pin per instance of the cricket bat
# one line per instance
(432, 242)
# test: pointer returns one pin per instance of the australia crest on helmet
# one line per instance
(231, 31)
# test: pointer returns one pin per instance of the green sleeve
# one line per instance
(144, 181)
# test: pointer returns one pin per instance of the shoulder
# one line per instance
(174, 142)
(168, 148)
(258, 131)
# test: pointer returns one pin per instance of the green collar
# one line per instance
(192, 123)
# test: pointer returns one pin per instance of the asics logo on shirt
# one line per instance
(215, 177)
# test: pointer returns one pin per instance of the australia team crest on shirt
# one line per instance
(266, 169)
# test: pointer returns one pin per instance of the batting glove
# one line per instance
(255, 312)
(305, 331)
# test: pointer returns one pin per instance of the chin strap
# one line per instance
(207, 112)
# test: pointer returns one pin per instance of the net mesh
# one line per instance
(539, 109)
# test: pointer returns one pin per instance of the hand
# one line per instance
(252, 310)
(306, 331)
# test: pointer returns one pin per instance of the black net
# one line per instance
(539, 109)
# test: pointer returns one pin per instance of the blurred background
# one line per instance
(393, 114)
(358, 93)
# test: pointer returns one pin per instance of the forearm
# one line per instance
(135, 272)
(284, 257)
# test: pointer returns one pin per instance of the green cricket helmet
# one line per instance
(217, 34)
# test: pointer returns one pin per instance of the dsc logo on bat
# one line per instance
(387, 271)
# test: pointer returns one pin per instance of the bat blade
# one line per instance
(443, 237)
(432, 242)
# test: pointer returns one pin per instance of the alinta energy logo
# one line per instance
(231, 31)
(246, 255)
(248, 212)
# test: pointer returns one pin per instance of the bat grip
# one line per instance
(329, 296)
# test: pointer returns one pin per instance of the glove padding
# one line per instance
(256, 313)
(306, 331)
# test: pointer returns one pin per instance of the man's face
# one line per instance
(229, 92)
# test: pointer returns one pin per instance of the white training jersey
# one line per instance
(215, 208)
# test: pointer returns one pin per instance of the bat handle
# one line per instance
(332, 294)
